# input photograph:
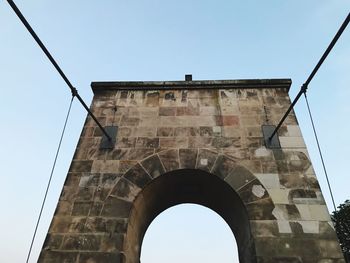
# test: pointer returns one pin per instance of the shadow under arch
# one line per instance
(188, 186)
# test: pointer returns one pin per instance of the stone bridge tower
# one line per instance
(196, 142)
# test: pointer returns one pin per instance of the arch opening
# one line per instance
(188, 186)
(189, 233)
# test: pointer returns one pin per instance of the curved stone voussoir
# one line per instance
(206, 159)
(223, 166)
(188, 158)
(239, 177)
(153, 166)
(170, 159)
(138, 175)
(126, 190)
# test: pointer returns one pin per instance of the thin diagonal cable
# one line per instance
(320, 152)
(54, 63)
(49, 182)
(313, 73)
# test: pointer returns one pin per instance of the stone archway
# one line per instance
(188, 186)
(168, 178)
(203, 133)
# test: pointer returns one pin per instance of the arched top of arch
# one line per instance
(251, 191)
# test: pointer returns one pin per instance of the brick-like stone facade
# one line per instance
(207, 136)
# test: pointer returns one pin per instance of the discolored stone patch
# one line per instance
(286, 212)
(266, 228)
(261, 210)
(253, 191)
(302, 195)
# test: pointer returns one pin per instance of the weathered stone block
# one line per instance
(114, 207)
(173, 142)
(105, 166)
(139, 154)
(206, 159)
(153, 166)
(58, 257)
(144, 142)
(188, 158)
(105, 225)
(81, 242)
(167, 111)
(138, 176)
(165, 131)
(53, 241)
(239, 177)
(125, 190)
(81, 208)
(223, 166)
(170, 159)
(112, 243)
(80, 166)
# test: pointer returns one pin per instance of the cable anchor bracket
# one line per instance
(270, 142)
(109, 143)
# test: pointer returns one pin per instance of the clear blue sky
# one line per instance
(155, 40)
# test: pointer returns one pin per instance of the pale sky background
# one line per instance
(157, 40)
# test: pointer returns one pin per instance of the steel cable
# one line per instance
(319, 150)
(49, 182)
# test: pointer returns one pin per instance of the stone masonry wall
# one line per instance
(171, 124)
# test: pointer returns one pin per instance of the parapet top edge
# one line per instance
(196, 84)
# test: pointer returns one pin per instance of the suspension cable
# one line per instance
(319, 150)
(54, 63)
(49, 182)
(313, 73)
